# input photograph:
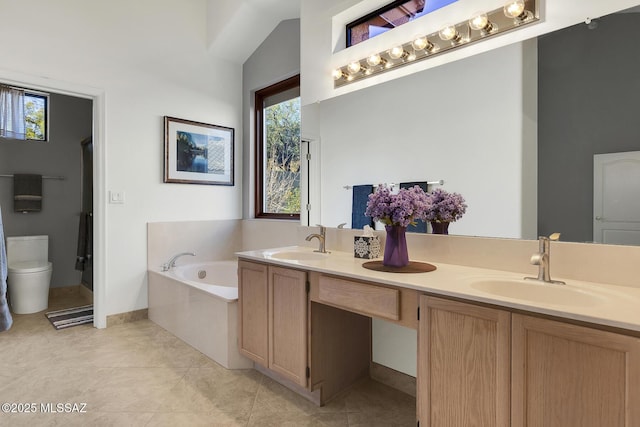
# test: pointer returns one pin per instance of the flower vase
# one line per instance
(440, 227)
(395, 247)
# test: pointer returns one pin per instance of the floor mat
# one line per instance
(62, 319)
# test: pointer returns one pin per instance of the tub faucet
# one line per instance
(542, 259)
(172, 262)
(321, 239)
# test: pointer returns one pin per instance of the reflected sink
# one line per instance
(298, 256)
(532, 291)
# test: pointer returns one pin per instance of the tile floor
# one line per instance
(138, 374)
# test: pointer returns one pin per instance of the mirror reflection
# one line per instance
(521, 132)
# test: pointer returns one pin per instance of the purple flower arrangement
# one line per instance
(402, 208)
(445, 206)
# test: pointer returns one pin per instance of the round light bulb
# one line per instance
(479, 21)
(354, 67)
(514, 8)
(448, 33)
(336, 74)
(374, 59)
(396, 52)
(419, 43)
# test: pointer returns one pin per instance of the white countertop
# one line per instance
(610, 305)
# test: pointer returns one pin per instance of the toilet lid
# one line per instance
(29, 267)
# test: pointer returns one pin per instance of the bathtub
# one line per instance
(198, 303)
(219, 278)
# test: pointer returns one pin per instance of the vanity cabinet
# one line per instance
(253, 298)
(486, 366)
(573, 376)
(390, 303)
(272, 315)
(463, 364)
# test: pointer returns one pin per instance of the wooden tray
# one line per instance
(413, 267)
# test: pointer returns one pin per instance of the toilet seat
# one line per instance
(29, 267)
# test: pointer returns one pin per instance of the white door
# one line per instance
(616, 198)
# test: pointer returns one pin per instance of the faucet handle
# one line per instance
(554, 236)
(536, 259)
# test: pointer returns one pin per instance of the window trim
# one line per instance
(47, 100)
(258, 164)
(47, 105)
(383, 9)
(369, 16)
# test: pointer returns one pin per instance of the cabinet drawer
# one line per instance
(377, 301)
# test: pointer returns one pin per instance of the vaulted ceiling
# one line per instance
(235, 28)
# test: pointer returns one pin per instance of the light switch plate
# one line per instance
(116, 197)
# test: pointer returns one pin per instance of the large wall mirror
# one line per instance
(515, 130)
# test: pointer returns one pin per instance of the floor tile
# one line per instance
(138, 374)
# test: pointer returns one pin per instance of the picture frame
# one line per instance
(198, 153)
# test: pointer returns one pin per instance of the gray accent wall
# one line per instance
(276, 59)
(589, 86)
(70, 121)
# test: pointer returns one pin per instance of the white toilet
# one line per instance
(29, 273)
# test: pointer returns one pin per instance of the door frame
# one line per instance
(97, 95)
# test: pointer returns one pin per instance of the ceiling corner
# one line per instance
(235, 28)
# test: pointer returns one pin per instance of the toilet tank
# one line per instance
(27, 248)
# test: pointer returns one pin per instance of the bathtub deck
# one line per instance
(204, 321)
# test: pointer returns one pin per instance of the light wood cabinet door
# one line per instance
(252, 311)
(288, 306)
(463, 364)
(572, 376)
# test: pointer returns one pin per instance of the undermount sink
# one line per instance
(298, 255)
(539, 292)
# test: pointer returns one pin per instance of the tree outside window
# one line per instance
(35, 107)
(23, 114)
(278, 150)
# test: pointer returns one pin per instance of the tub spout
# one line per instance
(172, 262)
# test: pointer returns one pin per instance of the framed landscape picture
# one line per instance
(197, 153)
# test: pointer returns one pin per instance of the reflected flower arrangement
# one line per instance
(399, 209)
(445, 206)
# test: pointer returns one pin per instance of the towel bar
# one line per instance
(62, 178)
(439, 182)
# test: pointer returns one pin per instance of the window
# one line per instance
(35, 116)
(277, 130)
(23, 114)
(390, 16)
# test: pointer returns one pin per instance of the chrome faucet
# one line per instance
(172, 262)
(321, 239)
(542, 259)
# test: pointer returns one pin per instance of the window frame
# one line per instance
(259, 97)
(46, 98)
(396, 3)
(369, 16)
(32, 93)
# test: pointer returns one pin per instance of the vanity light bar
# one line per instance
(515, 14)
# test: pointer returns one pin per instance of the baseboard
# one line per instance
(86, 293)
(392, 378)
(130, 316)
(64, 291)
